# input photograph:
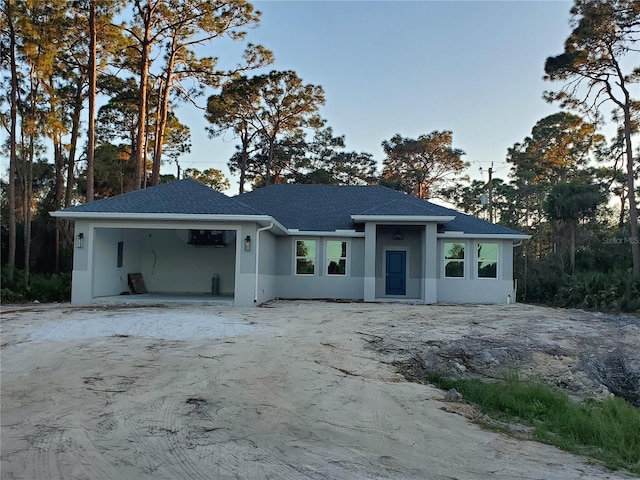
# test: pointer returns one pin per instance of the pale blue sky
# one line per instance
(407, 67)
(387, 67)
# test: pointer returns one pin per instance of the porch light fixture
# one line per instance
(247, 243)
(398, 235)
(80, 240)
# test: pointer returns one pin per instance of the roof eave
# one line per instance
(402, 218)
(501, 236)
(211, 217)
(322, 233)
(154, 216)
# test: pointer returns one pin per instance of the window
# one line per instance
(454, 260)
(120, 254)
(305, 257)
(336, 257)
(487, 260)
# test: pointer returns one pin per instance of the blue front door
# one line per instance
(396, 281)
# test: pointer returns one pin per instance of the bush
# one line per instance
(42, 287)
(600, 291)
(611, 291)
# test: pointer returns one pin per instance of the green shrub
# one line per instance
(50, 288)
(42, 287)
(599, 291)
(613, 291)
(9, 296)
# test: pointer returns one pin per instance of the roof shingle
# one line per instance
(181, 197)
(329, 207)
(297, 207)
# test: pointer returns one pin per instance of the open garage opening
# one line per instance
(176, 262)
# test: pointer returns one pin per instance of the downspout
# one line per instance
(255, 288)
(511, 299)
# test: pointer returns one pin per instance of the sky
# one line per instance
(403, 67)
(408, 67)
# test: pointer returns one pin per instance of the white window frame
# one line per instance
(328, 260)
(477, 260)
(462, 260)
(296, 257)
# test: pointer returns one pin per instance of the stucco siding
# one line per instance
(507, 260)
(108, 278)
(284, 257)
(470, 288)
(81, 281)
(267, 279)
(320, 284)
(474, 291)
(171, 265)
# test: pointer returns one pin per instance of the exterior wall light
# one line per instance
(398, 235)
(247, 243)
(80, 240)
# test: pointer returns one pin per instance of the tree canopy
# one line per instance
(592, 69)
(422, 166)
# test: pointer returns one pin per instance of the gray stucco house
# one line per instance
(368, 243)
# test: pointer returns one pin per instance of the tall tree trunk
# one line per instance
(572, 246)
(139, 153)
(59, 164)
(244, 157)
(631, 194)
(623, 202)
(28, 196)
(58, 156)
(156, 127)
(268, 176)
(145, 151)
(92, 100)
(28, 176)
(11, 262)
(73, 144)
(163, 114)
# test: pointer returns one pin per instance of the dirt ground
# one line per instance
(293, 390)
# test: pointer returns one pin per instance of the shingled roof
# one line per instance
(181, 197)
(319, 208)
(330, 207)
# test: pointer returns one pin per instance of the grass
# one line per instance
(608, 431)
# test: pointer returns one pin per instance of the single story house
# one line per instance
(366, 243)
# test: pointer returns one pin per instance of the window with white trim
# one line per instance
(453, 260)
(305, 257)
(336, 257)
(487, 260)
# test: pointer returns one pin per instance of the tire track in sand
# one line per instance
(47, 447)
(156, 436)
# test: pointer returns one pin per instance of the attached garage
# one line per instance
(187, 242)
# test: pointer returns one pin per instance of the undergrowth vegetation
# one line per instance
(609, 288)
(42, 287)
(608, 430)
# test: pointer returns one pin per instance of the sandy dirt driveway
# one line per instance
(289, 391)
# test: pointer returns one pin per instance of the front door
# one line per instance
(396, 281)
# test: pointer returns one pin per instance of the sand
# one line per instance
(289, 391)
